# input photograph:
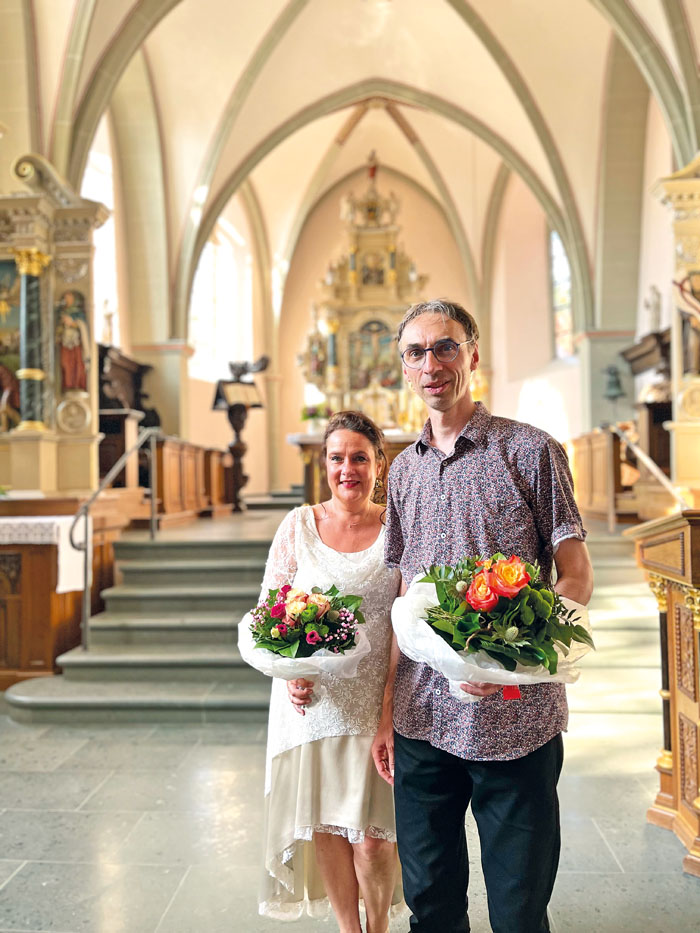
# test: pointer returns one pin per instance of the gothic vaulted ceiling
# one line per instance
(289, 97)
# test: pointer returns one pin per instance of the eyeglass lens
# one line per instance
(444, 352)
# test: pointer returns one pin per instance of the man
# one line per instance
(474, 484)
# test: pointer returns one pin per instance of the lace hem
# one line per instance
(278, 864)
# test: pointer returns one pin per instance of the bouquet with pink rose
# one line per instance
(292, 633)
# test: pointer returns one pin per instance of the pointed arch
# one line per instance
(403, 94)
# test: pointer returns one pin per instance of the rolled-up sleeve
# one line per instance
(558, 516)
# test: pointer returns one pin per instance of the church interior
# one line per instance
(213, 215)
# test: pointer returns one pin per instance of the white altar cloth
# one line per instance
(52, 529)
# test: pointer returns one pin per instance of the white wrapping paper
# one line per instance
(320, 663)
(419, 642)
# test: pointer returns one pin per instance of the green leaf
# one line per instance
(290, 651)
(582, 634)
(359, 617)
(442, 625)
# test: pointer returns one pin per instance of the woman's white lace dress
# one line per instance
(320, 776)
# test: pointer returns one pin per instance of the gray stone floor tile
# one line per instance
(640, 847)
(9, 725)
(56, 790)
(27, 752)
(626, 903)
(231, 838)
(104, 733)
(602, 795)
(243, 758)
(583, 849)
(7, 868)
(175, 791)
(62, 835)
(244, 733)
(90, 898)
(103, 754)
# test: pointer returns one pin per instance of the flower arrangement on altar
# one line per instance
(316, 412)
(491, 620)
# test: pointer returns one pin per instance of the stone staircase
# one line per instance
(623, 673)
(164, 649)
(277, 499)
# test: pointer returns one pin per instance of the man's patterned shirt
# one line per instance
(505, 487)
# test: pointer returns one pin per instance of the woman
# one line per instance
(330, 834)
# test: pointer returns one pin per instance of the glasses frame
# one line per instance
(427, 350)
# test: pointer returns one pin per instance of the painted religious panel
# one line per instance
(73, 340)
(373, 357)
(9, 345)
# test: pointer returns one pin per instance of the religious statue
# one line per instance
(73, 341)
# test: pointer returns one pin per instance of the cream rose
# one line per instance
(318, 599)
(295, 608)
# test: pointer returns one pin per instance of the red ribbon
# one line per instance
(512, 693)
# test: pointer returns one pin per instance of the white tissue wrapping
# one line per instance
(421, 643)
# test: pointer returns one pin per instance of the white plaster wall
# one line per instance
(426, 238)
(656, 266)
(527, 383)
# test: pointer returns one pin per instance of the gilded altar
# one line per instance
(351, 357)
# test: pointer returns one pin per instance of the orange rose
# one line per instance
(321, 601)
(480, 594)
(509, 576)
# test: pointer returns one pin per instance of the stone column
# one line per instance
(30, 265)
(681, 191)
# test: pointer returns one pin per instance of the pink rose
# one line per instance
(313, 638)
(282, 629)
(278, 611)
(285, 589)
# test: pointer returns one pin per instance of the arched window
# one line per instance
(221, 309)
(98, 185)
(560, 279)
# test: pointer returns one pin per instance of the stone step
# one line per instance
(235, 598)
(110, 628)
(155, 663)
(199, 572)
(142, 548)
(273, 501)
(614, 572)
(609, 546)
(59, 700)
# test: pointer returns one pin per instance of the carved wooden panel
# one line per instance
(10, 608)
(665, 554)
(685, 652)
(688, 738)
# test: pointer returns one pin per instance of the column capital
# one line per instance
(31, 261)
(657, 585)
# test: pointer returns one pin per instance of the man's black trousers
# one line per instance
(516, 810)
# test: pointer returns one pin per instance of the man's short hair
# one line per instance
(448, 309)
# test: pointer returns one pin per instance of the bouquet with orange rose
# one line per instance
(492, 620)
(292, 633)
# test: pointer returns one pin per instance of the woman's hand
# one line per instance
(300, 693)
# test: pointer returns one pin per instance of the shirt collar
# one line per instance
(474, 430)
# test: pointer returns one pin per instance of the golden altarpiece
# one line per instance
(351, 356)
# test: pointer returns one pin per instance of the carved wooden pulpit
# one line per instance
(669, 550)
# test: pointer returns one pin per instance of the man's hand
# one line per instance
(300, 694)
(383, 748)
(480, 690)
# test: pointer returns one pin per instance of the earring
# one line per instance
(378, 484)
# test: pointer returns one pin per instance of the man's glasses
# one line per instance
(444, 351)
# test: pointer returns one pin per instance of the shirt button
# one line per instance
(443, 535)
(438, 693)
(443, 497)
